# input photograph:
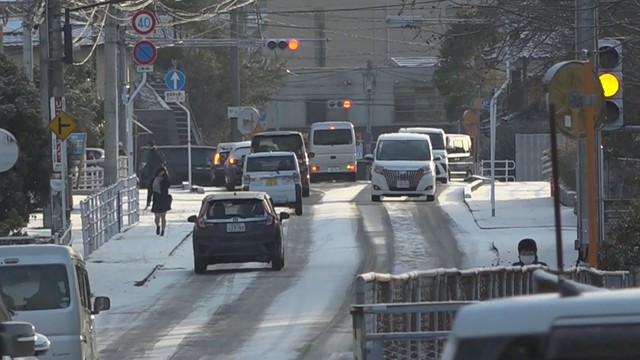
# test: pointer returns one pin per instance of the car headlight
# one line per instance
(377, 169)
(426, 169)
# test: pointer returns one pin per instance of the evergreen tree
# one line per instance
(26, 185)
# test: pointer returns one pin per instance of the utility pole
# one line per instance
(27, 42)
(234, 74)
(53, 62)
(43, 32)
(369, 90)
(585, 42)
(111, 98)
(123, 94)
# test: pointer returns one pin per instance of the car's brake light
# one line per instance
(315, 168)
(351, 167)
(216, 159)
(232, 161)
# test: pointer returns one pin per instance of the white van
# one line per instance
(48, 286)
(332, 150)
(402, 165)
(459, 152)
(438, 143)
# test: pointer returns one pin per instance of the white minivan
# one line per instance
(332, 150)
(402, 165)
(439, 146)
(48, 286)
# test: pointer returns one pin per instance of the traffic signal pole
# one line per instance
(234, 75)
(586, 176)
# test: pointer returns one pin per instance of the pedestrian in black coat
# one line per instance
(158, 194)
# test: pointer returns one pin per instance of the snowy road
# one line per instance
(302, 312)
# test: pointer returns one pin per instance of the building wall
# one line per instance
(357, 30)
(303, 99)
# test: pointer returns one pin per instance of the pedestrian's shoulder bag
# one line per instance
(169, 201)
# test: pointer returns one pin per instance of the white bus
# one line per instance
(332, 150)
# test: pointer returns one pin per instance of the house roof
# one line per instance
(420, 61)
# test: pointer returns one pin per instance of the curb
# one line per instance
(146, 279)
(468, 189)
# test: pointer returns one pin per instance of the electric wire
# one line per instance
(97, 41)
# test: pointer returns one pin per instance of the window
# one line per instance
(271, 163)
(416, 150)
(83, 287)
(242, 208)
(333, 137)
(268, 143)
(35, 287)
(240, 152)
(528, 347)
(594, 342)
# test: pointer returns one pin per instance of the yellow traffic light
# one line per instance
(346, 104)
(293, 44)
(610, 84)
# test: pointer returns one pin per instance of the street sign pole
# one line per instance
(58, 177)
(188, 141)
(175, 81)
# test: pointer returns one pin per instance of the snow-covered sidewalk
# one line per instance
(522, 209)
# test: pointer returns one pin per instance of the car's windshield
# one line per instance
(437, 141)
(242, 208)
(413, 150)
(34, 287)
(241, 151)
(268, 143)
(270, 163)
(332, 137)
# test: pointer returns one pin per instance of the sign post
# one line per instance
(61, 126)
(175, 81)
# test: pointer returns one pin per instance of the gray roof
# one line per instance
(418, 61)
(228, 195)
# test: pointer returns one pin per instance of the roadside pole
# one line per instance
(175, 81)
(493, 123)
(188, 140)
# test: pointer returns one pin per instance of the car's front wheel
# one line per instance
(199, 265)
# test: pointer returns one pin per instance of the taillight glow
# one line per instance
(351, 167)
(216, 159)
(315, 168)
(332, 127)
(200, 221)
(232, 161)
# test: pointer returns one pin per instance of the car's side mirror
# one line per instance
(192, 218)
(368, 158)
(284, 215)
(101, 303)
(18, 338)
(311, 155)
(42, 345)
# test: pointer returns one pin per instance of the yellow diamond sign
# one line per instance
(63, 125)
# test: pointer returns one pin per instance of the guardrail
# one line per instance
(89, 179)
(388, 308)
(108, 212)
(504, 169)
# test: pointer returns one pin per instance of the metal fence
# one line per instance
(505, 169)
(108, 212)
(409, 316)
(90, 179)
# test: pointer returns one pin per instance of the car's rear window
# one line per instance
(241, 208)
(333, 137)
(271, 163)
(266, 143)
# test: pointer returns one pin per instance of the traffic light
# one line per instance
(67, 33)
(334, 104)
(282, 44)
(610, 75)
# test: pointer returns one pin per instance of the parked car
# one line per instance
(276, 173)
(218, 161)
(285, 141)
(237, 227)
(94, 157)
(49, 287)
(176, 156)
(234, 163)
(402, 165)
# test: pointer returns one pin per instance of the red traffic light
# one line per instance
(293, 44)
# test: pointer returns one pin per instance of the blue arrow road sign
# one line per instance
(175, 80)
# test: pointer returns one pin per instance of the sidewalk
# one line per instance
(522, 209)
(130, 258)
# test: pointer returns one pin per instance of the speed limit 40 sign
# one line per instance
(144, 22)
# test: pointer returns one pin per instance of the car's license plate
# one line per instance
(334, 169)
(235, 227)
(272, 182)
(403, 184)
